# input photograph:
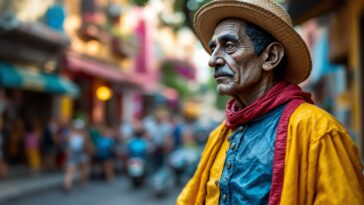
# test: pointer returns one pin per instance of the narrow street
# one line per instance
(98, 192)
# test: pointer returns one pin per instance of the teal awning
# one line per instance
(13, 77)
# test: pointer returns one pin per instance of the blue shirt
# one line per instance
(137, 147)
(247, 173)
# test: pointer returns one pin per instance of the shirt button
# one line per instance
(228, 165)
(233, 145)
(217, 182)
(224, 197)
(240, 128)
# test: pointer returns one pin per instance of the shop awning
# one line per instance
(14, 77)
(82, 64)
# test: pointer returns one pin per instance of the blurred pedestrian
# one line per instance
(137, 156)
(3, 165)
(159, 129)
(138, 144)
(76, 154)
(32, 148)
(178, 125)
(60, 140)
(48, 145)
(105, 145)
(15, 141)
(126, 130)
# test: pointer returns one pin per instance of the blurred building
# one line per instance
(101, 60)
(31, 83)
(334, 31)
(114, 69)
(64, 59)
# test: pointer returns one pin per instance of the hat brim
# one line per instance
(299, 62)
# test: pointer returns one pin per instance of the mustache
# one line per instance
(223, 71)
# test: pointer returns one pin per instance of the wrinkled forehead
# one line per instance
(229, 26)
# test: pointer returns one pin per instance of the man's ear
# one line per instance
(272, 56)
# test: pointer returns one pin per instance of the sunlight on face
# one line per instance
(236, 67)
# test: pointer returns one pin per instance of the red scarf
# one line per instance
(279, 94)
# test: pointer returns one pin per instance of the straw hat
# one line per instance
(267, 14)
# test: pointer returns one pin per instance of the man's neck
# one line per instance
(252, 93)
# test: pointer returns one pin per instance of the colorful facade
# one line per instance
(343, 24)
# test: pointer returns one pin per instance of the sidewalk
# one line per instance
(17, 187)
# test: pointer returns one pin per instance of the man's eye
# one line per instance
(229, 46)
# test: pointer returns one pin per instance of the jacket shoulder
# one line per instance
(314, 121)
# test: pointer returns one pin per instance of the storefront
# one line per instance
(108, 94)
(344, 24)
(29, 97)
(30, 82)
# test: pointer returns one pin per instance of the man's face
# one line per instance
(236, 66)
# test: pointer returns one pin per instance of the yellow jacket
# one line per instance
(321, 166)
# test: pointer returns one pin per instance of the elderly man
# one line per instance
(275, 146)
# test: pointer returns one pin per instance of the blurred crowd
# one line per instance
(84, 150)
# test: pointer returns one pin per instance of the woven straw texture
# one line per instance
(267, 14)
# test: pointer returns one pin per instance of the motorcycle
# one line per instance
(181, 165)
(136, 171)
(137, 165)
(183, 162)
(161, 182)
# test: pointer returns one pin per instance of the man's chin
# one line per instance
(222, 91)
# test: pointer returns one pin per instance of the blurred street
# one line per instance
(99, 193)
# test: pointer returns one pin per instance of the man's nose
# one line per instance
(216, 59)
